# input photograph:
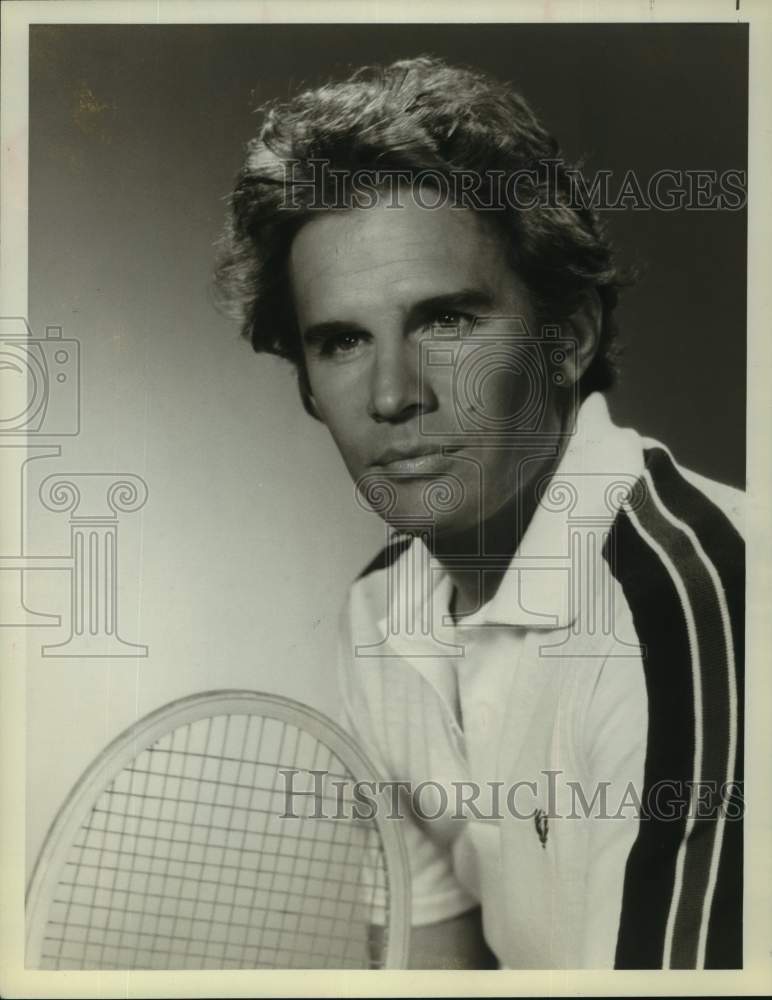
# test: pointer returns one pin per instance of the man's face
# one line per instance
(373, 290)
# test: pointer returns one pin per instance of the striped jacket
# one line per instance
(601, 689)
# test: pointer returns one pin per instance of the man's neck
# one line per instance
(476, 560)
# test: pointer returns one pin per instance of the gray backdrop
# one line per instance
(234, 572)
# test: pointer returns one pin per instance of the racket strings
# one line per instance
(185, 860)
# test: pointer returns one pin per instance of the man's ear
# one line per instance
(584, 327)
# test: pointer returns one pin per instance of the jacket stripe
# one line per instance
(723, 551)
(664, 541)
(660, 623)
(712, 736)
(663, 537)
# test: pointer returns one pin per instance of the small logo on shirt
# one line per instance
(542, 826)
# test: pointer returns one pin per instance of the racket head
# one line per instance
(112, 866)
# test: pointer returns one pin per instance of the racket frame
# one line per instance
(142, 734)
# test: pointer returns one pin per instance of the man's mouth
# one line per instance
(416, 460)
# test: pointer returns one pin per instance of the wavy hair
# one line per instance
(415, 115)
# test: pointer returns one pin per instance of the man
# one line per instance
(550, 648)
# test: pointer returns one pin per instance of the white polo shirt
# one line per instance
(588, 701)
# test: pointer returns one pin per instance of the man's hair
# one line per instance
(414, 115)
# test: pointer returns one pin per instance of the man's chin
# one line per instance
(411, 520)
(413, 504)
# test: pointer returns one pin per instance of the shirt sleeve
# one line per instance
(435, 891)
(679, 563)
(654, 856)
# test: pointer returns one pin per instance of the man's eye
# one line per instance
(449, 321)
(341, 343)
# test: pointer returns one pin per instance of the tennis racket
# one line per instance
(219, 832)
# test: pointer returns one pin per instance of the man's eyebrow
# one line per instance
(466, 299)
(319, 332)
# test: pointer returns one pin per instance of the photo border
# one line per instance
(756, 977)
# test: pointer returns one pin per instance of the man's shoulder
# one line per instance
(677, 550)
(728, 499)
(690, 500)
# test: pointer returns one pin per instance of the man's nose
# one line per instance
(398, 391)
